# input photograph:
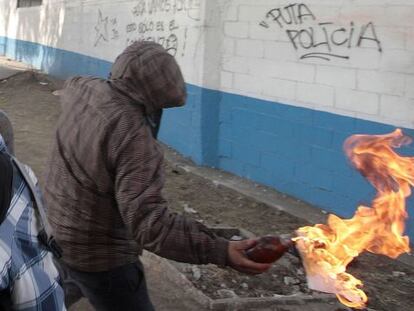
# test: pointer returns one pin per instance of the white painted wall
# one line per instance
(239, 47)
(103, 28)
(375, 82)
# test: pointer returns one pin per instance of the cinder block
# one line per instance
(232, 165)
(235, 64)
(326, 158)
(246, 154)
(398, 61)
(334, 122)
(397, 108)
(392, 37)
(236, 29)
(317, 177)
(339, 139)
(282, 168)
(365, 14)
(372, 128)
(225, 131)
(226, 79)
(229, 47)
(244, 135)
(351, 100)
(279, 51)
(295, 188)
(246, 118)
(268, 142)
(314, 136)
(282, 70)
(258, 32)
(249, 48)
(299, 114)
(352, 185)
(247, 83)
(278, 126)
(328, 199)
(301, 152)
(381, 82)
(364, 59)
(259, 174)
(409, 39)
(335, 76)
(224, 148)
(253, 13)
(405, 15)
(320, 95)
(409, 86)
(279, 88)
(231, 13)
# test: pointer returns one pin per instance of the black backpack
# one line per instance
(6, 184)
(6, 194)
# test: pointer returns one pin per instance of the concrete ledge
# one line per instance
(163, 271)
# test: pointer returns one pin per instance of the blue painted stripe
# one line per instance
(295, 150)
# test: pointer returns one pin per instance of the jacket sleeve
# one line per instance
(139, 179)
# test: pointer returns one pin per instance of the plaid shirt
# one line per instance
(26, 267)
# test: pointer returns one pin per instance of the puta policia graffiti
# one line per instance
(319, 40)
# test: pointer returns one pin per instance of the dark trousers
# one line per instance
(122, 288)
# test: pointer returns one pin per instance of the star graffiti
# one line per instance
(101, 29)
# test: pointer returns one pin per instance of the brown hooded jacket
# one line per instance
(105, 174)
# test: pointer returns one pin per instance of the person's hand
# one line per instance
(240, 262)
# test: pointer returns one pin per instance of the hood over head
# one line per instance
(149, 75)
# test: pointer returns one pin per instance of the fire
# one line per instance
(328, 249)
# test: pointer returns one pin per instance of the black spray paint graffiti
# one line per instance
(150, 7)
(327, 35)
(101, 29)
(156, 31)
(168, 33)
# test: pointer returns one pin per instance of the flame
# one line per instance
(328, 249)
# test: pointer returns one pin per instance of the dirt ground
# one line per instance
(29, 101)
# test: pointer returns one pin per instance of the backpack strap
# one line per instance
(46, 234)
(6, 184)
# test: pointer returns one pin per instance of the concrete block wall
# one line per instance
(302, 90)
(274, 87)
(364, 66)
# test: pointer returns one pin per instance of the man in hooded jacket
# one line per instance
(104, 182)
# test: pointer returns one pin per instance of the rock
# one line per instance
(244, 285)
(196, 273)
(226, 293)
(43, 83)
(290, 280)
(57, 92)
(300, 272)
(176, 171)
(222, 285)
(324, 212)
(236, 238)
(398, 274)
(189, 210)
